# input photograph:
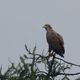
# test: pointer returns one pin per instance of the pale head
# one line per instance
(47, 27)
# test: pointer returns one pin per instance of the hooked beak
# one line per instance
(44, 26)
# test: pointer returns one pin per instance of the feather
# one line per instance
(55, 41)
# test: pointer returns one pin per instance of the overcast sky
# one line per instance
(21, 22)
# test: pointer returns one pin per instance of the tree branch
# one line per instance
(67, 62)
(69, 74)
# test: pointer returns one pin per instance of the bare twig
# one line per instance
(67, 62)
(69, 74)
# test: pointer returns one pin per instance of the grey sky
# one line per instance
(21, 22)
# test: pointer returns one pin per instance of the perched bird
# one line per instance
(55, 41)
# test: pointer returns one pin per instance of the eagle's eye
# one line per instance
(47, 25)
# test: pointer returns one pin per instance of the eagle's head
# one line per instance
(47, 27)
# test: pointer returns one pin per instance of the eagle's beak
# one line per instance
(44, 26)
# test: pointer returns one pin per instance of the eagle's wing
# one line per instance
(60, 38)
(52, 40)
(55, 42)
(61, 42)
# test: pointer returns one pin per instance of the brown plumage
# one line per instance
(55, 41)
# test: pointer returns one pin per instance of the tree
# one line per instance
(28, 68)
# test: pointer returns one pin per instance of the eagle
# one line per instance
(55, 41)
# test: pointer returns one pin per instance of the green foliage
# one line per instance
(28, 68)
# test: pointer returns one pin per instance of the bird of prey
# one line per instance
(55, 41)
